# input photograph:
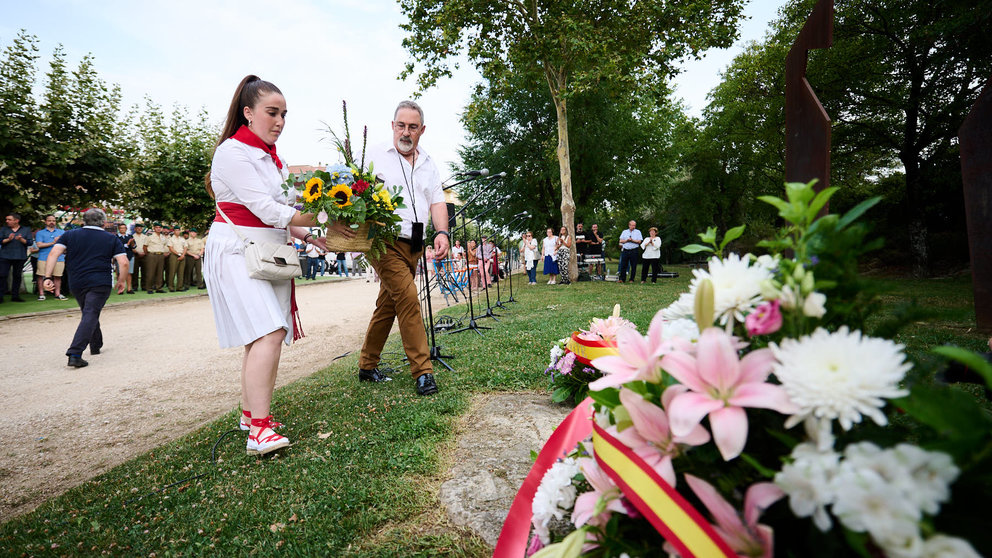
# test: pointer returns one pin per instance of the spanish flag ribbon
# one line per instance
(512, 541)
(587, 351)
(666, 509)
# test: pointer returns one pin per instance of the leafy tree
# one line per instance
(19, 122)
(621, 141)
(169, 161)
(572, 45)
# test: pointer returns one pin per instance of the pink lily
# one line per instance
(747, 538)
(602, 487)
(638, 358)
(717, 384)
(650, 437)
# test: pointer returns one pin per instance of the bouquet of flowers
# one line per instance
(751, 392)
(352, 193)
(571, 367)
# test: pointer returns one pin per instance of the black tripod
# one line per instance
(435, 352)
(485, 270)
(472, 324)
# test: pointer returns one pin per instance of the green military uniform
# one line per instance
(194, 261)
(177, 263)
(140, 273)
(156, 248)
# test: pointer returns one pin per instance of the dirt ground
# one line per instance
(159, 375)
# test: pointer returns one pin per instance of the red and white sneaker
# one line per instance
(245, 422)
(266, 440)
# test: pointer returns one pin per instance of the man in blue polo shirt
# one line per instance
(45, 239)
(88, 255)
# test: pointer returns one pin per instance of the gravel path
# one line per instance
(159, 375)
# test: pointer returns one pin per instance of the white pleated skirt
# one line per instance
(245, 309)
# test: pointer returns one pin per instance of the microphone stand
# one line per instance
(509, 270)
(472, 324)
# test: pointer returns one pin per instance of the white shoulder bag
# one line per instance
(266, 260)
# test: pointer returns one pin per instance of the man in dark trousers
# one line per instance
(89, 252)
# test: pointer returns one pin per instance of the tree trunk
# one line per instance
(565, 168)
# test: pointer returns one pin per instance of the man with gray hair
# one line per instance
(405, 165)
(89, 252)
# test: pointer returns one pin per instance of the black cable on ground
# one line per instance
(213, 459)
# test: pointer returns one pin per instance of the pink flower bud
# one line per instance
(766, 318)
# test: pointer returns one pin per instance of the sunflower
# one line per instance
(313, 189)
(341, 194)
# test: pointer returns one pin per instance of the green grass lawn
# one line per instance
(362, 476)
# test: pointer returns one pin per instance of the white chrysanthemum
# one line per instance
(682, 308)
(841, 375)
(555, 496)
(942, 546)
(683, 328)
(736, 288)
(929, 475)
(807, 482)
(865, 502)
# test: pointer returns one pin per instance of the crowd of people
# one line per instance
(315, 260)
(168, 257)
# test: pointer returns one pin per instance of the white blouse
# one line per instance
(246, 175)
(549, 245)
(652, 248)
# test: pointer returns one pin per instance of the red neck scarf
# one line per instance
(247, 137)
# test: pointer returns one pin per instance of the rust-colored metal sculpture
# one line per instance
(807, 126)
(975, 136)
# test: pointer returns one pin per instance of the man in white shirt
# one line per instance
(405, 165)
(630, 251)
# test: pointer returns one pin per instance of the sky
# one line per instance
(318, 52)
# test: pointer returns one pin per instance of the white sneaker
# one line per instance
(42, 297)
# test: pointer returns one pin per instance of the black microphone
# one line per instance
(495, 176)
(481, 172)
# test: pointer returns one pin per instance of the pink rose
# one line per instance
(765, 319)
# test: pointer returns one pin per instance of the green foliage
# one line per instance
(712, 246)
(167, 164)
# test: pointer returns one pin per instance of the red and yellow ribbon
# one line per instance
(587, 351)
(666, 509)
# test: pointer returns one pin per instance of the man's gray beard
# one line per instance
(406, 146)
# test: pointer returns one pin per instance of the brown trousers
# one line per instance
(397, 298)
(154, 266)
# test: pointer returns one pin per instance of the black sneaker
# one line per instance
(426, 384)
(374, 375)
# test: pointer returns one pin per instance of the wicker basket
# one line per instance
(361, 242)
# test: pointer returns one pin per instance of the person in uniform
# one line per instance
(175, 276)
(194, 260)
(155, 250)
(138, 270)
(405, 165)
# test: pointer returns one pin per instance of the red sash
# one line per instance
(239, 215)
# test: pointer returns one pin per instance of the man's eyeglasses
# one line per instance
(399, 127)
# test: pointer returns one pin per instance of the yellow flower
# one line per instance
(313, 189)
(375, 197)
(341, 194)
(386, 197)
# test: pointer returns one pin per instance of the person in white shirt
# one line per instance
(406, 165)
(529, 255)
(245, 180)
(652, 255)
(549, 248)
(314, 255)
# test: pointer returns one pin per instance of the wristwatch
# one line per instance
(445, 233)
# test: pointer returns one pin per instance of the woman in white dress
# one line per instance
(549, 249)
(245, 180)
